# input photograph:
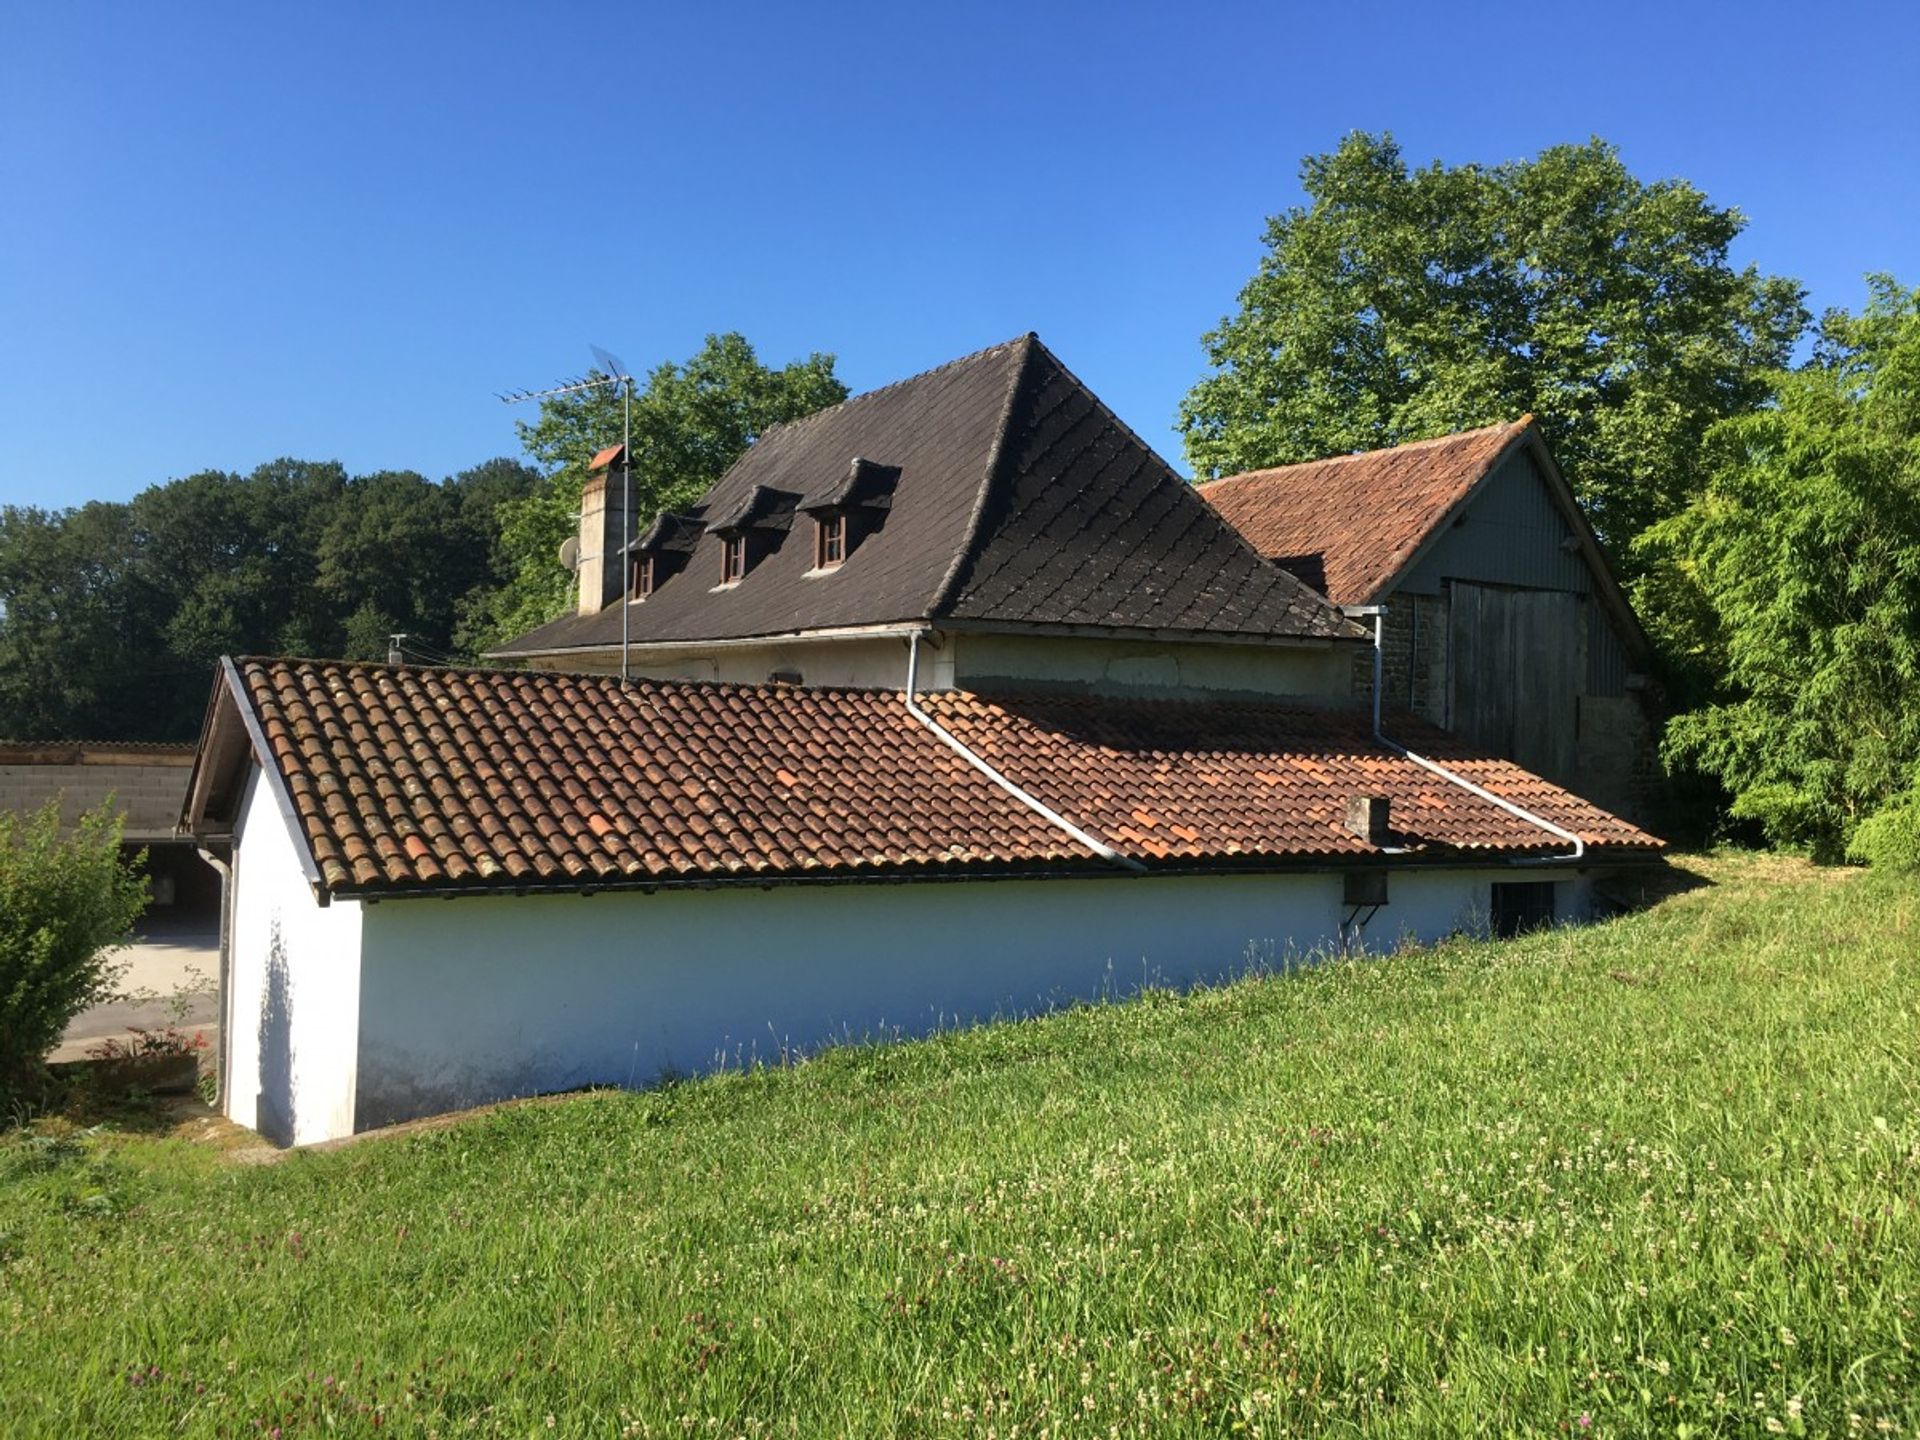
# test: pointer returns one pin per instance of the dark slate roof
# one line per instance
(404, 780)
(1020, 500)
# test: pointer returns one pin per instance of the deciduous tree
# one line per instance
(112, 615)
(690, 422)
(1793, 581)
(1398, 304)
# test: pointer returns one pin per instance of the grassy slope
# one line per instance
(1663, 1173)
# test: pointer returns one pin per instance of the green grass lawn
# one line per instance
(1657, 1176)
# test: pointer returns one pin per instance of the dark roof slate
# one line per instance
(1084, 525)
(1019, 500)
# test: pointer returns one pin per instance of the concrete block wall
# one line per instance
(150, 796)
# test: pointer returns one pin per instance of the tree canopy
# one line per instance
(1792, 582)
(1401, 304)
(112, 614)
(690, 422)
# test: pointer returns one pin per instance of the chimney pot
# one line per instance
(1368, 818)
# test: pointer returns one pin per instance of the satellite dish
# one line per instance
(570, 552)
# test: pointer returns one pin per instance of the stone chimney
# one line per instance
(604, 532)
(1368, 818)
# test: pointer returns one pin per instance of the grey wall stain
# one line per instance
(274, 1104)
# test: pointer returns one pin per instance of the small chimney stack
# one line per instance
(1368, 818)
(604, 531)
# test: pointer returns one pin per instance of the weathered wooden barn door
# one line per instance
(1518, 659)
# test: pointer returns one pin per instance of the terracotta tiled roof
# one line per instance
(409, 780)
(1237, 781)
(1018, 499)
(1351, 523)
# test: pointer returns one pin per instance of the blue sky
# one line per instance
(231, 232)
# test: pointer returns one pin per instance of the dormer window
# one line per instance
(850, 512)
(733, 558)
(664, 549)
(829, 539)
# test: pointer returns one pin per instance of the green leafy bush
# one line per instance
(66, 897)
(1890, 837)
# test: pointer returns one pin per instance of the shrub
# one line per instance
(1890, 837)
(66, 897)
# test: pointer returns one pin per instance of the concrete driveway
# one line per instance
(169, 960)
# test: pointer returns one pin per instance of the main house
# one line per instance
(949, 701)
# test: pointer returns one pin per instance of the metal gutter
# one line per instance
(1264, 640)
(900, 630)
(1318, 864)
(1045, 812)
(667, 649)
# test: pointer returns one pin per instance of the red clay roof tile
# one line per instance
(571, 782)
(1350, 523)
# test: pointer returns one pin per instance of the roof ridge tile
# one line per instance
(1478, 432)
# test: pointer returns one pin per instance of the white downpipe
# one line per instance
(1045, 812)
(1379, 613)
(224, 869)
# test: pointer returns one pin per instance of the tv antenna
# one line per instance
(607, 372)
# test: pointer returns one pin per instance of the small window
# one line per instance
(829, 541)
(643, 577)
(733, 558)
(1520, 907)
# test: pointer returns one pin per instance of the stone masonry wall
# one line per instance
(1413, 658)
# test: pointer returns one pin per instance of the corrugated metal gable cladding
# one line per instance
(1514, 535)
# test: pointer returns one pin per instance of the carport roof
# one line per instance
(404, 780)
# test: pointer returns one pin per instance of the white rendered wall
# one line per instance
(1156, 670)
(472, 1000)
(863, 663)
(1320, 674)
(293, 989)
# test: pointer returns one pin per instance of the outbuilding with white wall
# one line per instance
(452, 887)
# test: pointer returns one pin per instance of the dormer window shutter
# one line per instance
(643, 577)
(733, 557)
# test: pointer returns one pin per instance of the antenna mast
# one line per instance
(608, 371)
